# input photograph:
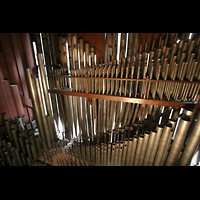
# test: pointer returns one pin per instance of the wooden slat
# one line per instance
(30, 62)
(26, 101)
(10, 60)
(20, 60)
(129, 99)
(4, 69)
(17, 100)
(12, 103)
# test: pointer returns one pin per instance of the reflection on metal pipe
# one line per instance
(191, 144)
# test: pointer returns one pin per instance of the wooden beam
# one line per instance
(130, 100)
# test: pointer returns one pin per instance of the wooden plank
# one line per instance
(17, 100)
(12, 103)
(4, 70)
(29, 61)
(129, 99)
(20, 60)
(26, 101)
(10, 60)
(4, 100)
(8, 106)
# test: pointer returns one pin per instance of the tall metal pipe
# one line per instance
(162, 145)
(178, 142)
(36, 106)
(150, 147)
(159, 130)
(44, 83)
(44, 120)
(191, 144)
(138, 150)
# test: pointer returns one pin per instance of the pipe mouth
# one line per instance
(154, 130)
(135, 136)
(147, 132)
(185, 119)
(141, 136)
(160, 126)
(169, 125)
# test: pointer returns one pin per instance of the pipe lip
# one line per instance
(141, 136)
(168, 125)
(154, 130)
(160, 125)
(185, 119)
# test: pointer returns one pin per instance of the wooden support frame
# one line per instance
(177, 104)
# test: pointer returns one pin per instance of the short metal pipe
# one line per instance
(21, 142)
(18, 157)
(7, 157)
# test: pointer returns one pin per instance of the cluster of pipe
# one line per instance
(169, 61)
(140, 147)
(20, 143)
(94, 123)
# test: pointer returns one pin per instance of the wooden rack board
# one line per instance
(176, 104)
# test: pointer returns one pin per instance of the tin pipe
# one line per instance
(23, 159)
(120, 153)
(105, 155)
(178, 142)
(36, 106)
(144, 147)
(33, 150)
(44, 83)
(112, 155)
(116, 153)
(134, 146)
(48, 118)
(28, 149)
(159, 130)
(191, 144)
(38, 145)
(15, 139)
(138, 150)
(129, 153)
(44, 120)
(150, 145)
(7, 157)
(162, 145)
(7, 129)
(17, 157)
(21, 143)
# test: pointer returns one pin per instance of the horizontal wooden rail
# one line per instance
(176, 104)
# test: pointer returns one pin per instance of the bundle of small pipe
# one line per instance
(140, 147)
(20, 143)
